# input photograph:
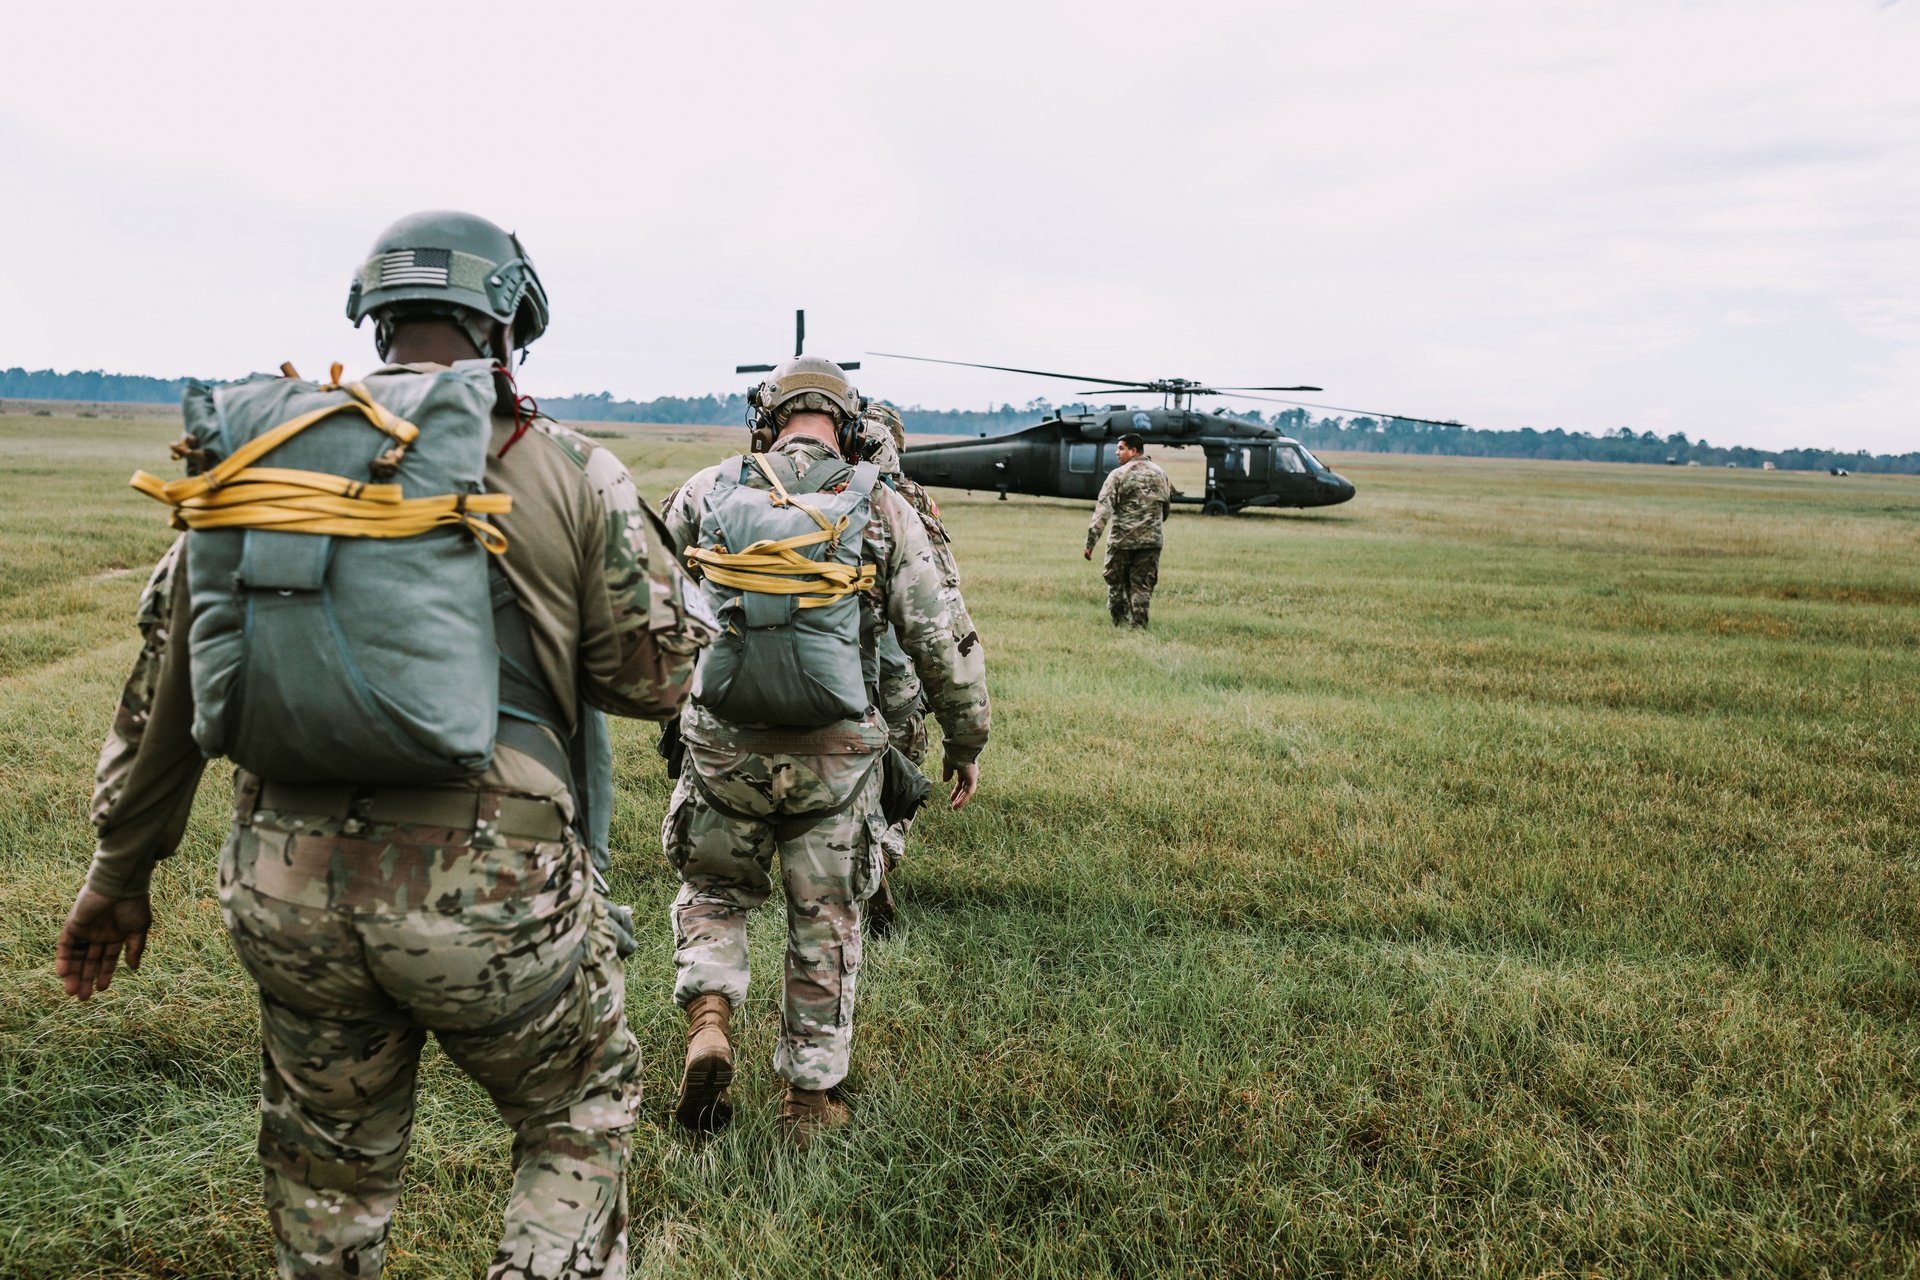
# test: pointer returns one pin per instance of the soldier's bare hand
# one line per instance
(97, 931)
(1087, 554)
(965, 779)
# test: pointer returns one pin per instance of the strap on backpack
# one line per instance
(530, 719)
(236, 494)
(776, 567)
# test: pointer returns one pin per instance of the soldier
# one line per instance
(896, 689)
(783, 744)
(1135, 498)
(370, 915)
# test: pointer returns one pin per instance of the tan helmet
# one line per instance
(804, 384)
(819, 385)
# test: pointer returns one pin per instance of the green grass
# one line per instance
(1512, 872)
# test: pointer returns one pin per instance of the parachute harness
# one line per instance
(775, 566)
(235, 494)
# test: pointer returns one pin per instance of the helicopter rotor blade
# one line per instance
(767, 368)
(1335, 408)
(1269, 388)
(1004, 368)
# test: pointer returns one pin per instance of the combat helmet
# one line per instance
(450, 263)
(805, 384)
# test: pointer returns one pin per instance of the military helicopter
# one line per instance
(1249, 464)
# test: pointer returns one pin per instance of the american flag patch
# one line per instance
(414, 266)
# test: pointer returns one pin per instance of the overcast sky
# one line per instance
(1581, 213)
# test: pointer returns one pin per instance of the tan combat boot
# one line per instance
(806, 1113)
(705, 1102)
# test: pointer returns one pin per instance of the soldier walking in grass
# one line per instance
(894, 687)
(1134, 501)
(414, 719)
(806, 558)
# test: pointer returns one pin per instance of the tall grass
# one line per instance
(1513, 872)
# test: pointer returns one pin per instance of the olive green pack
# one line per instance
(322, 658)
(775, 663)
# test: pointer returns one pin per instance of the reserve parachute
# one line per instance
(780, 555)
(337, 559)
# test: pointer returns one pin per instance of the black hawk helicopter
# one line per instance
(1249, 464)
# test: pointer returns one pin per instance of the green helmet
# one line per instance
(451, 259)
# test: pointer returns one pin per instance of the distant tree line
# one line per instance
(731, 411)
(1396, 435)
(117, 388)
(1361, 434)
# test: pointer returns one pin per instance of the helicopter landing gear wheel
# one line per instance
(1214, 507)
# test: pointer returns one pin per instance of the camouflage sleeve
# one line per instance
(896, 685)
(942, 543)
(681, 514)
(955, 677)
(1102, 510)
(640, 634)
(150, 765)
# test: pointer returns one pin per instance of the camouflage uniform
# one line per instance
(810, 795)
(370, 916)
(1134, 498)
(896, 689)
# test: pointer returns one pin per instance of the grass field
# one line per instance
(1512, 872)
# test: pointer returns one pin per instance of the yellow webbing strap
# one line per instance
(775, 566)
(781, 498)
(238, 495)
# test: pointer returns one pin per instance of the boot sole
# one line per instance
(703, 1105)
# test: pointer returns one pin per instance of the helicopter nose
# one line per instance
(1342, 488)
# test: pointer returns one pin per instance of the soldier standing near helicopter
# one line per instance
(1134, 500)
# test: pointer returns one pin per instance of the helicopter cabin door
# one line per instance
(1237, 472)
(1084, 465)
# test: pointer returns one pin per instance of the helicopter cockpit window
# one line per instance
(1312, 461)
(1287, 458)
(1081, 458)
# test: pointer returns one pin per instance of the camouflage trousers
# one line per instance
(907, 734)
(363, 936)
(1131, 575)
(731, 813)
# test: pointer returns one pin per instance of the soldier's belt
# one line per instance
(521, 817)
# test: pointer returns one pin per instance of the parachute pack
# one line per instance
(782, 566)
(338, 564)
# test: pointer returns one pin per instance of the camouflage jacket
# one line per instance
(1134, 498)
(909, 593)
(615, 623)
(897, 688)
